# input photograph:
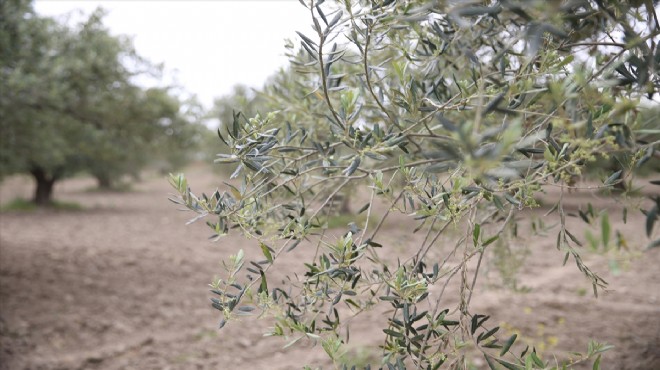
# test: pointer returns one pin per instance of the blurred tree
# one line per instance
(241, 99)
(68, 101)
(183, 139)
(249, 102)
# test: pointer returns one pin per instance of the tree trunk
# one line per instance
(104, 182)
(43, 194)
(346, 204)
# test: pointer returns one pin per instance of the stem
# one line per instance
(481, 254)
(324, 79)
(365, 62)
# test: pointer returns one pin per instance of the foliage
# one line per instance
(180, 134)
(69, 104)
(242, 99)
(457, 114)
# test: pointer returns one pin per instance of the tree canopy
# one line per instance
(69, 102)
(458, 114)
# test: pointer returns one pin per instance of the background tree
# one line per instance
(183, 136)
(240, 99)
(68, 102)
(458, 114)
(153, 127)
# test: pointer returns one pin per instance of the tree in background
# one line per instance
(457, 114)
(153, 127)
(68, 103)
(241, 99)
(184, 137)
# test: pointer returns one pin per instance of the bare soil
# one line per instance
(122, 284)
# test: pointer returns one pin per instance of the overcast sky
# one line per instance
(207, 46)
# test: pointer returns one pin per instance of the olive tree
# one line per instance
(68, 102)
(458, 114)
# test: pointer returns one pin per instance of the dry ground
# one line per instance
(122, 284)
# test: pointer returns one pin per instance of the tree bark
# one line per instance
(43, 194)
(104, 182)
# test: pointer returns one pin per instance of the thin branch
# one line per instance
(324, 78)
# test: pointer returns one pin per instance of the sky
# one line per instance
(207, 47)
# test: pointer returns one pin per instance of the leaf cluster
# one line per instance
(457, 115)
(69, 102)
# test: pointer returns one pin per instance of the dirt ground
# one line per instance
(122, 284)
